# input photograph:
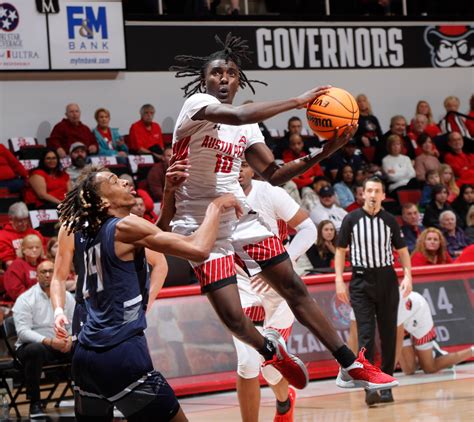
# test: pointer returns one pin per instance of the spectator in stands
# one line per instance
(70, 130)
(296, 150)
(79, 159)
(462, 163)
(309, 196)
(327, 209)
(12, 173)
(52, 248)
(454, 235)
(13, 233)
(349, 154)
(145, 135)
(37, 343)
(148, 203)
(438, 204)
(398, 126)
(295, 127)
(322, 252)
(155, 179)
(470, 119)
(420, 122)
(469, 232)
(369, 132)
(431, 179)
(110, 142)
(48, 182)
(411, 227)
(343, 187)
(430, 249)
(446, 177)
(360, 175)
(452, 121)
(426, 160)
(21, 274)
(431, 128)
(463, 202)
(398, 167)
(358, 192)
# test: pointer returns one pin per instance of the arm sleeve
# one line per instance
(23, 317)
(398, 239)
(306, 235)
(56, 137)
(16, 166)
(133, 142)
(344, 236)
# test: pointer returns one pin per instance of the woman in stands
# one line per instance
(424, 108)
(438, 204)
(12, 173)
(446, 177)
(369, 131)
(21, 274)
(321, 254)
(463, 202)
(426, 161)
(110, 141)
(343, 187)
(48, 183)
(430, 249)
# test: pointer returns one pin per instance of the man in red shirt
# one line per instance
(145, 136)
(461, 162)
(12, 234)
(70, 130)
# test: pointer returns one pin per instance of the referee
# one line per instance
(374, 292)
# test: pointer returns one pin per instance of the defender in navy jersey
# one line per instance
(111, 363)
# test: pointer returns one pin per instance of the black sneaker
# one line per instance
(371, 397)
(386, 396)
(37, 410)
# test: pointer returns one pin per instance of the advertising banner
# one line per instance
(309, 45)
(87, 35)
(23, 36)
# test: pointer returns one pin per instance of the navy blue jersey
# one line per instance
(115, 291)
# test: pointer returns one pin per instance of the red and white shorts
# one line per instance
(249, 241)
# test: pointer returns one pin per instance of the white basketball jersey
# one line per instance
(415, 315)
(214, 152)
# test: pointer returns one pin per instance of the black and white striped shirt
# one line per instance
(370, 238)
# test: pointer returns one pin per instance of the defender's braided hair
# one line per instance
(83, 209)
(233, 49)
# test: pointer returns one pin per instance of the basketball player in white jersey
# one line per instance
(264, 306)
(214, 136)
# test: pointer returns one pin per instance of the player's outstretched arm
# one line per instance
(261, 159)
(256, 112)
(137, 232)
(158, 274)
(62, 268)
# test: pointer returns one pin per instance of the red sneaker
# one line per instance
(364, 374)
(291, 367)
(288, 416)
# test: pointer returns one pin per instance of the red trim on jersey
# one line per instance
(215, 270)
(266, 249)
(285, 332)
(255, 313)
(181, 148)
(426, 338)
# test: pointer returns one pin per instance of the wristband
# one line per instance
(58, 311)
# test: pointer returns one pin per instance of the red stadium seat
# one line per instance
(409, 195)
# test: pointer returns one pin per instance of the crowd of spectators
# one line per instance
(422, 157)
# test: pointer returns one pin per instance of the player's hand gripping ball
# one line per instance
(335, 109)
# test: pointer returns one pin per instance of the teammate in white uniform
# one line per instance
(264, 306)
(213, 136)
(414, 318)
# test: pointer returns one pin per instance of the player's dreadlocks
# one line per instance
(83, 209)
(233, 49)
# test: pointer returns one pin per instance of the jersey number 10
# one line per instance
(224, 164)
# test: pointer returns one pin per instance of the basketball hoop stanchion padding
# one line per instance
(193, 349)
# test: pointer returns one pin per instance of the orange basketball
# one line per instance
(336, 109)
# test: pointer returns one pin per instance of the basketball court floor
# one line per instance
(445, 396)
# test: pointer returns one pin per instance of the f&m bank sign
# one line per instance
(87, 35)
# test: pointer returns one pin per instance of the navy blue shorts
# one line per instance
(123, 376)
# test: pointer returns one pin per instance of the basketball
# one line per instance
(336, 109)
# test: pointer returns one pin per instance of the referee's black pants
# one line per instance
(374, 294)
